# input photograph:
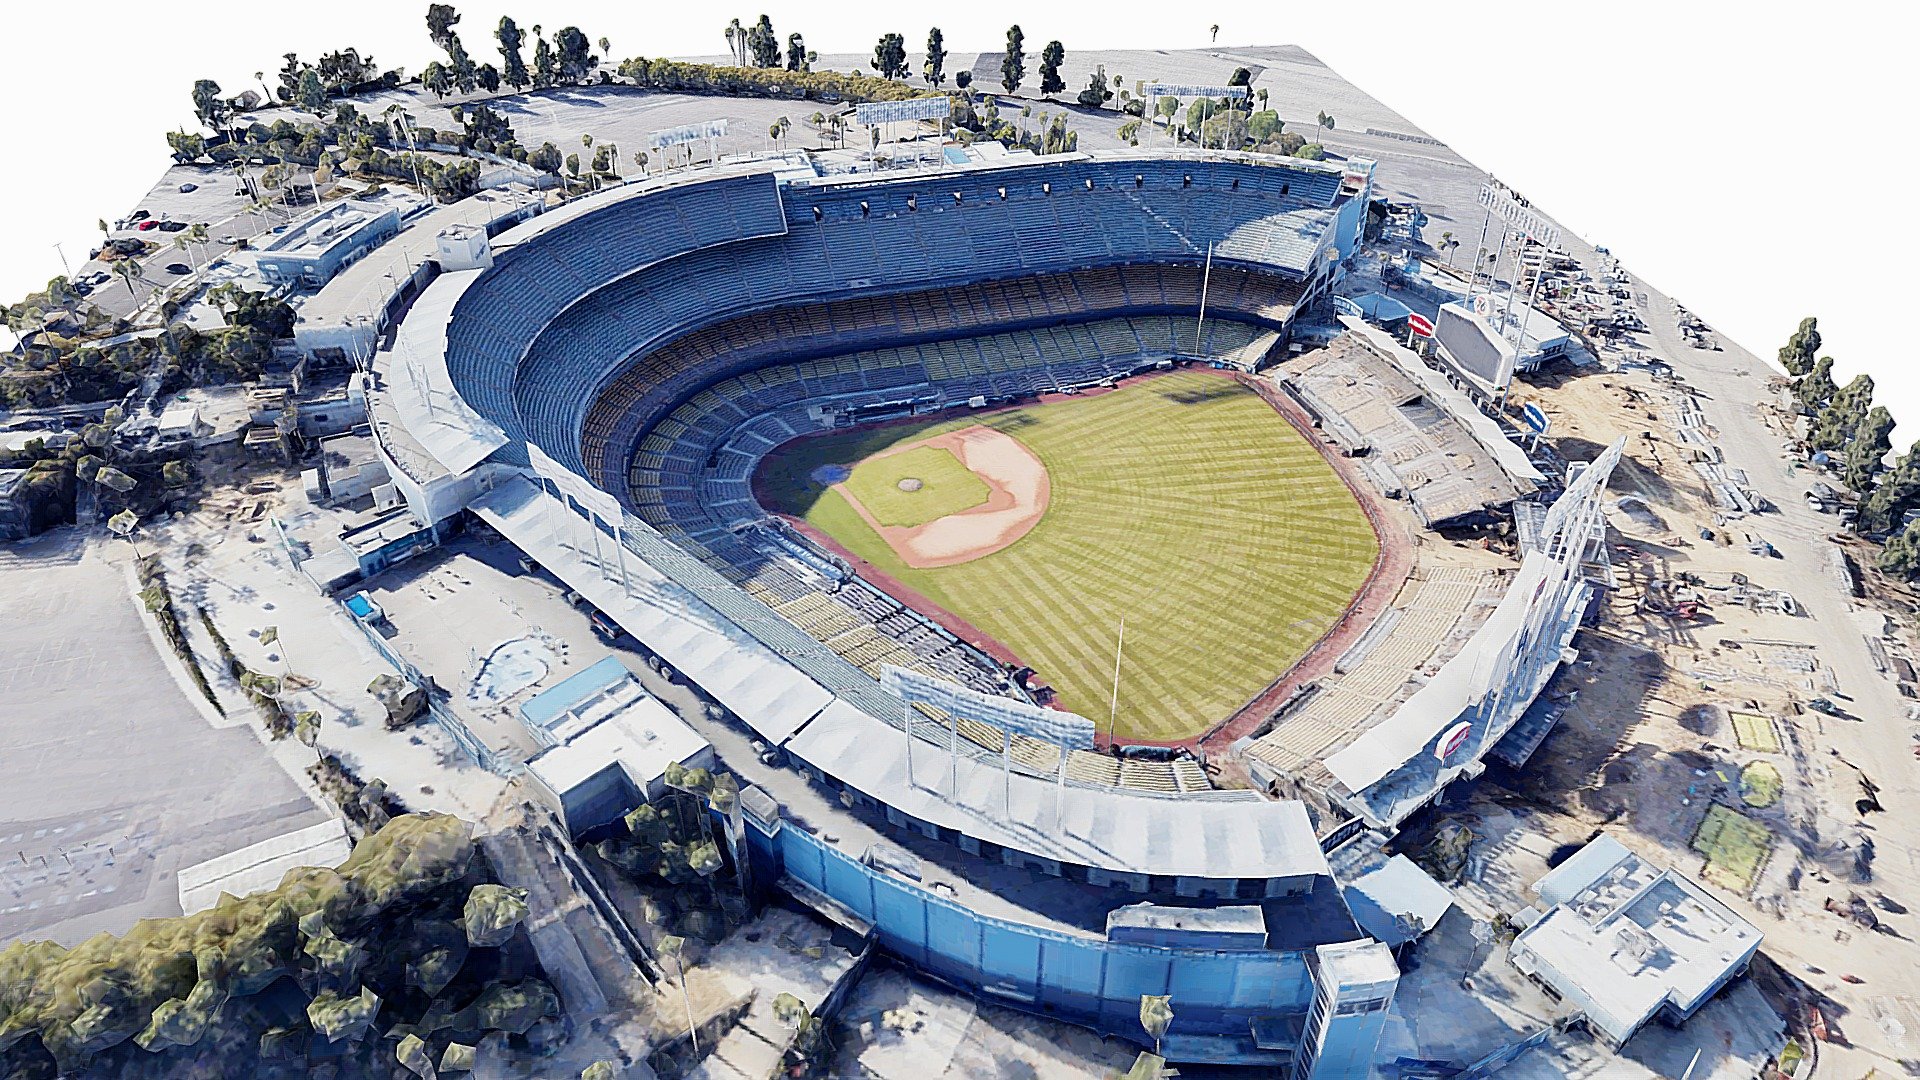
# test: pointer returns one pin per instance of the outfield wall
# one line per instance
(1219, 995)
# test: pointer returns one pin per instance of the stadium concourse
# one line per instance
(599, 383)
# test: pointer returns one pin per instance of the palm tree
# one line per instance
(1326, 121)
(261, 78)
(1447, 245)
(105, 233)
(736, 43)
(128, 270)
(1215, 31)
(180, 243)
(197, 232)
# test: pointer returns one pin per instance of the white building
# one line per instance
(1624, 941)
(609, 744)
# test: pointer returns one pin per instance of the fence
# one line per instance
(1088, 981)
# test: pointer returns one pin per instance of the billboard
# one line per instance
(1473, 348)
(1063, 729)
(1518, 214)
(1184, 90)
(687, 133)
(869, 113)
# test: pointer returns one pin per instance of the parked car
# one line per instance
(147, 224)
(179, 268)
(139, 215)
(172, 226)
(189, 187)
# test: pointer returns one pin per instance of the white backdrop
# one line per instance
(1736, 157)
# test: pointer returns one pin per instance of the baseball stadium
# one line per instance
(1003, 497)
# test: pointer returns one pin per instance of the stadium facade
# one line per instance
(599, 388)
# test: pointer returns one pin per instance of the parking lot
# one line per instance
(113, 778)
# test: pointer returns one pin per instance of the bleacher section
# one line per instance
(1412, 446)
(570, 300)
(1051, 305)
(1436, 607)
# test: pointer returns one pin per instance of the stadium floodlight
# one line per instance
(1065, 730)
(599, 506)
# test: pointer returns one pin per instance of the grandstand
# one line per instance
(657, 341)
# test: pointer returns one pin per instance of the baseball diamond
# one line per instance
(1181, 503)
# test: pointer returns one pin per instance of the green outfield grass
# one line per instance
(1183, 503)
(947, 487)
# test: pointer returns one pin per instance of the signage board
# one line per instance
(1184, 90)
(1420, 324)
(1518, 214)
(1451, 742)
(869, 113)
(1535, 418)
(687, 133)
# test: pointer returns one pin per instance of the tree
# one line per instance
(573, 166)
(1796, 356)
(1263, 125)
(797, 56)
(890, 56)
(1901, 554)
(546, 159)
(1129, 132)
(211, 109)
(737, 43)
(436, 78)
(1096, 94)
(1156, 1016)
(762, 43)
(1051, 58)
(128, 270)
(1868, 448)
(1056, 139)
(573, 55)
(488, 77)
(313, 93)
(1326, 120)
(1166, 106)
(1013, 67)
(513, 70)
(1816, 387)
(542, 61)
(1897, 492)
(1214, 31)
(440, 22)
(1834, 425)
(934, 68)
(1200, 112)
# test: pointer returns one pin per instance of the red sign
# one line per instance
(1420, 324)
(1454, 739)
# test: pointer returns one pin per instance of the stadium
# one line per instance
(990, 492)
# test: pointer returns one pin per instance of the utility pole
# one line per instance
(1206, 279)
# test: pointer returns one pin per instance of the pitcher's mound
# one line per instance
(911, 483)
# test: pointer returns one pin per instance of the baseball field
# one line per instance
(1182, 504)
